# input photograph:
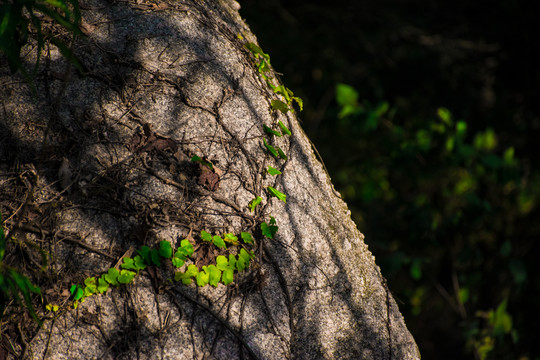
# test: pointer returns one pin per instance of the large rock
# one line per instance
(106, 154)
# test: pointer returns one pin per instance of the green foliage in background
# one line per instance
(15, 288)
(440, 206)
(19, 18)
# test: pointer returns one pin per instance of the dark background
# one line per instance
(450, 214)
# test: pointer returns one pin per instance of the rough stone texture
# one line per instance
(178, 69)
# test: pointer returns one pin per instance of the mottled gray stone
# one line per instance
(183, 70)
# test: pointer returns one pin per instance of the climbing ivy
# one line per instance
(222, 271)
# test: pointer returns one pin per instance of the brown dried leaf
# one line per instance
(208, 178)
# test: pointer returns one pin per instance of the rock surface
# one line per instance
(106, 155)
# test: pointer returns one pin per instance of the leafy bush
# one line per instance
(439, 206)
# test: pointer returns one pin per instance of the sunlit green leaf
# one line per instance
(206, 236)
(177, 262)
(187, 247)
(257, 51)
(231, 238)
(269, 131)
(248, 239)
(191, 272)
(279, 105)
(77, 292)
(128, 264)
(228, 276)
(253, 204)
(203, 277)
(284, 130)
(139, 263)
(243, 260)
(270, 148)
(103, 285)
(268, 230)
(218, 241)
(126, 276)
(215, 275)
(282, 154)
(90, 284)
(281, 196)
(299, 102)
(112, 276)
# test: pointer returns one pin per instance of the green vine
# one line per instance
(222, 271)
(262, 61)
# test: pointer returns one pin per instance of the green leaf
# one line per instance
(299, 102)
(269, 230)
(206, 236)
(112, 276)
(76, 291)
(165, 249)
(90, 285)
(279, 105)
(154, 255)
(281, 196)
(103, 285)
(243, 260)
(231, 238)
(126, 276)
(222, 263)
(139, 263)
(87, 292)
(508, 160)
(128, 264)
(145, 254)
(187, 247)
(51, 307)
(218, 241)
(248, 239)
(181, 253)
(203, 277)
(461, 128)
(177, 262)
(445, 115)
(228, 276)
(228, 270)
(270, 148)
(346, 95)
(196, 158)
(191, 271)
(215, 275)
(257, 51)
(283, 91)
(282, 154)
(253, 204)
(232, 261)
(269, 131)
(284, 129)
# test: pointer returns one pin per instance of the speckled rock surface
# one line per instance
(178, 71)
